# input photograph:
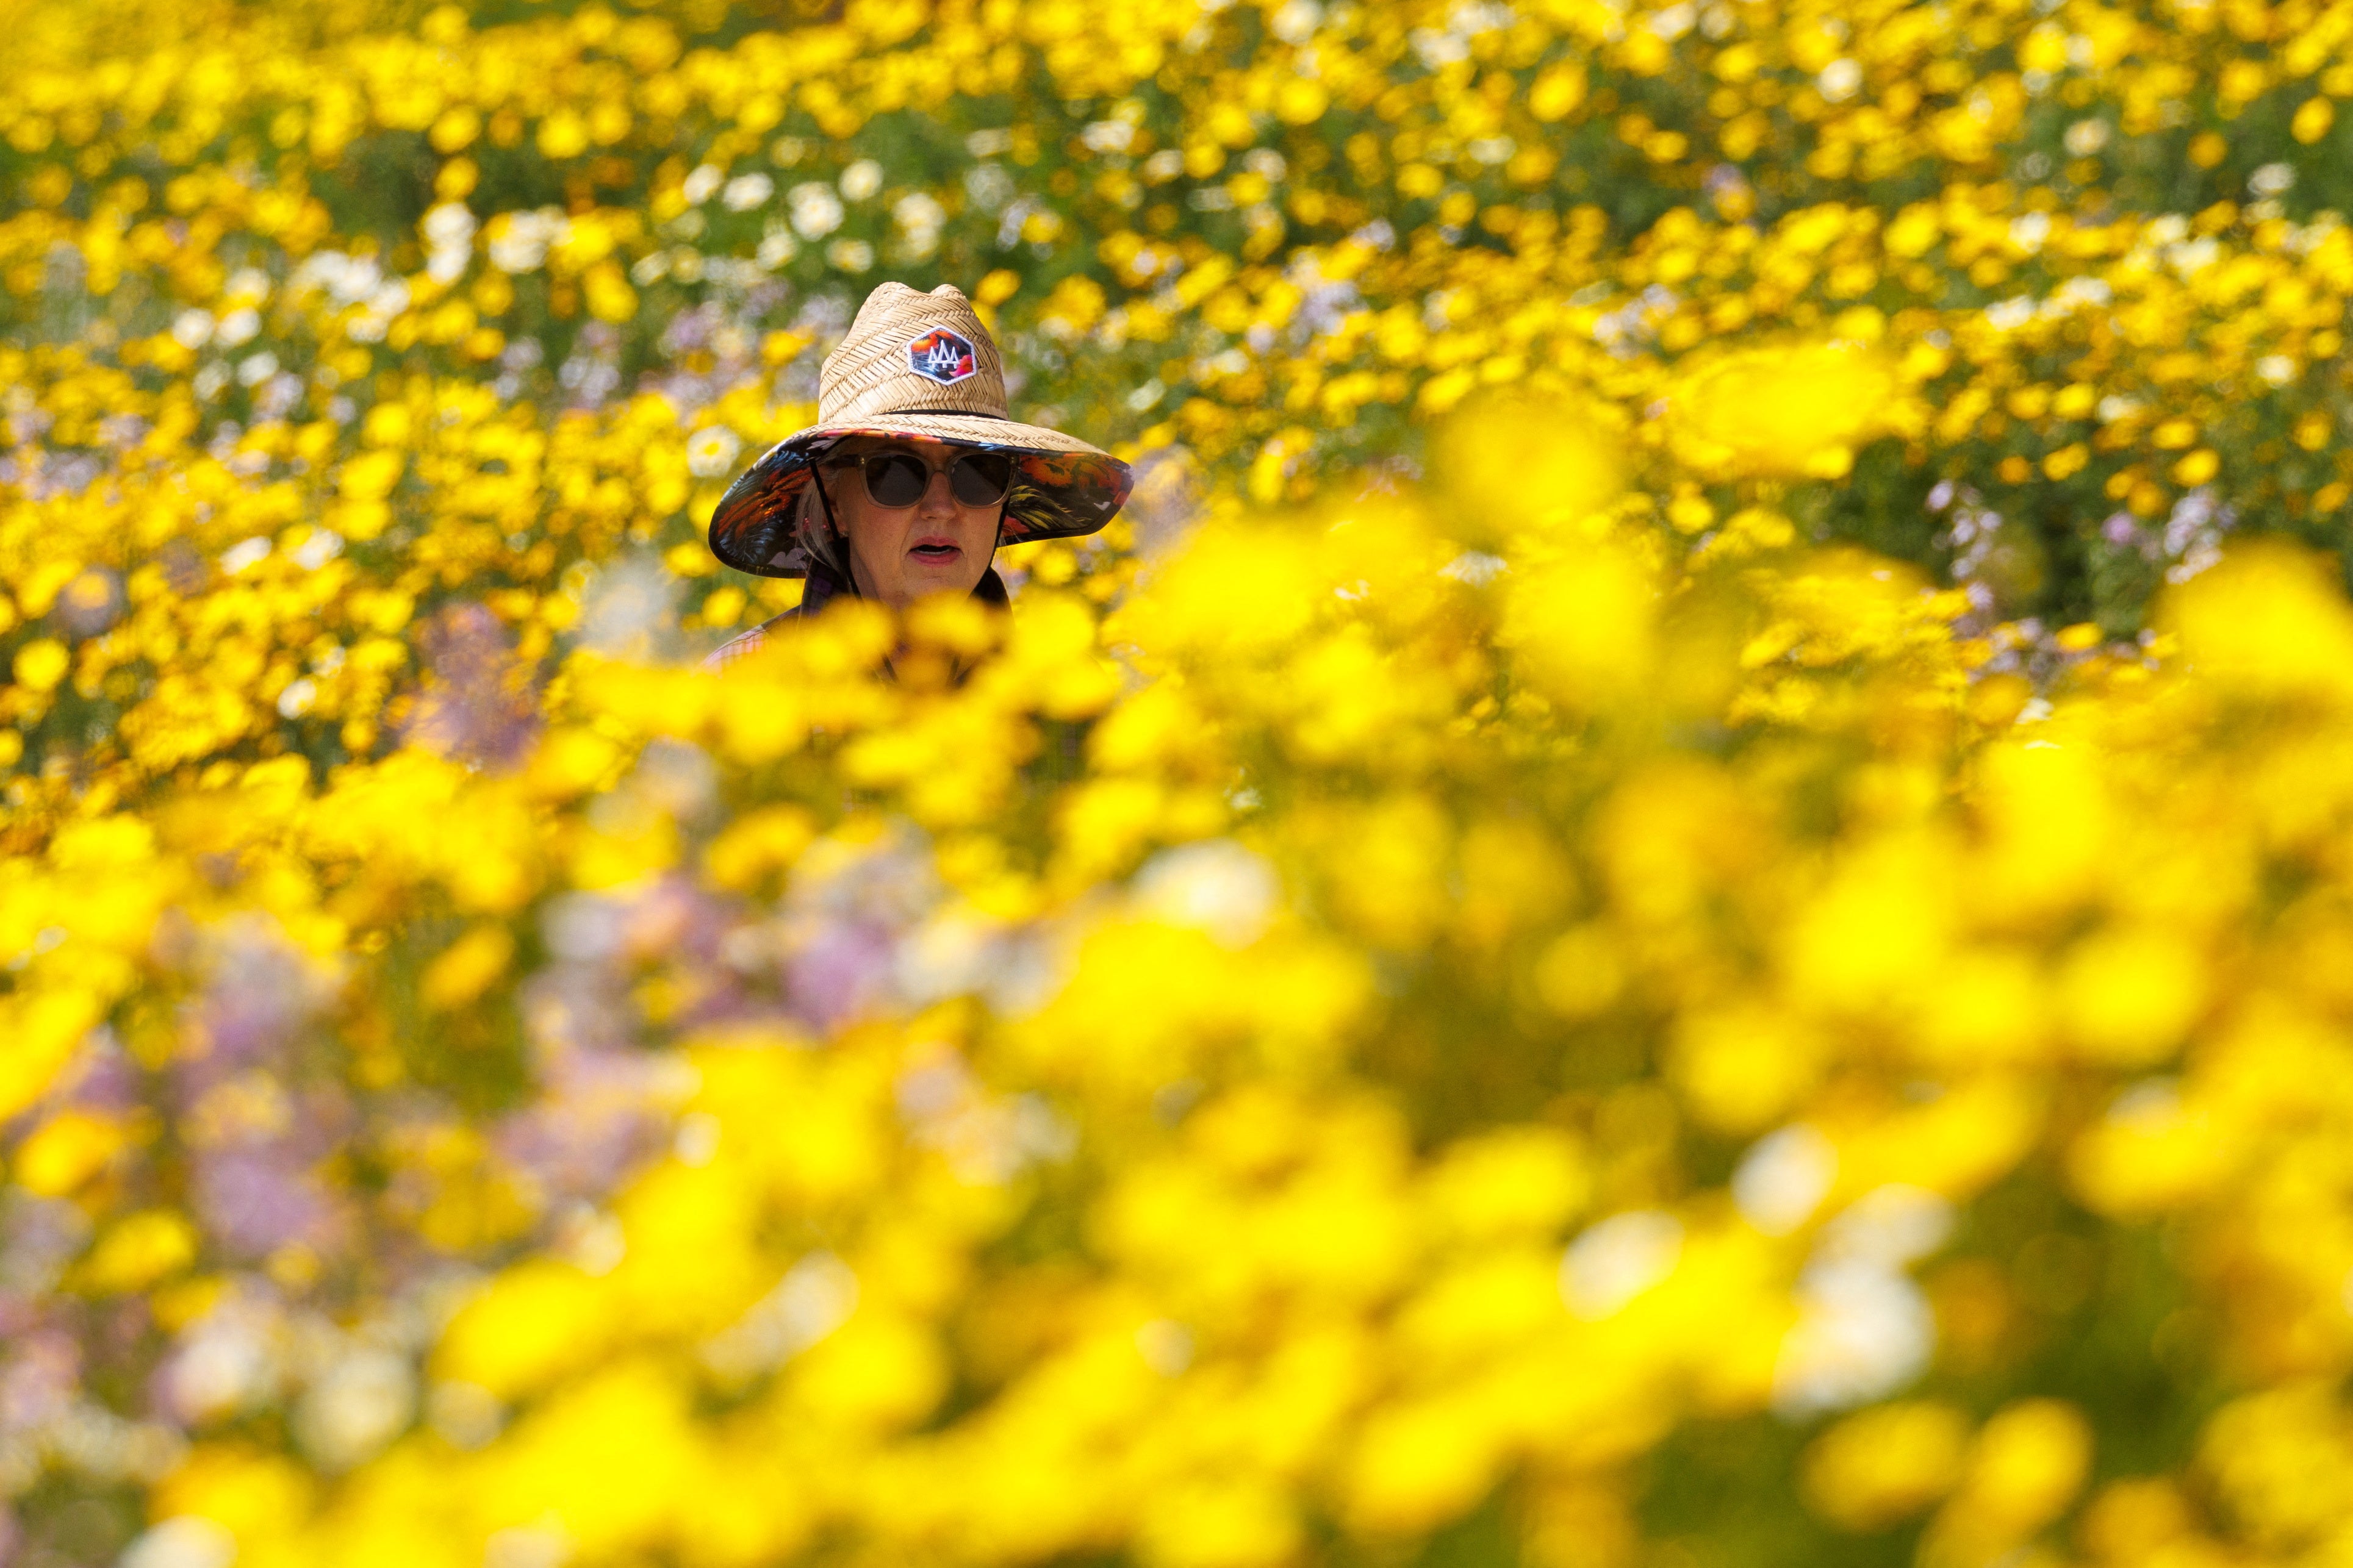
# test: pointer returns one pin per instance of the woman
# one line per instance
(913, 474)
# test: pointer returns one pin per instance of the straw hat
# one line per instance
(914, 364)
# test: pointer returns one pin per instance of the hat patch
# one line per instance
(942, 356)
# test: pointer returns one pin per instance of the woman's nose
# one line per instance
(938, 499)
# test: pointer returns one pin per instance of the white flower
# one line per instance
(519, 240)
(451, 223)
(226, 1364)
(2086, 136)
(244, 553)
(990, 187)
(449, 241)
(2079, 291)
(747, 191)
(1862, 1331)
(1840, 80)
(1476, 567)
(697, 1141)
(361, 1404)
(1109, 136)
(247, 286)
(1890, 1226)
(919, 217)
(862, 179)
(703, 184)
(776, 249)
(1784, 1178)
(1295, 21)
(1618, 1259)
(710, 451)
(2193, 256)
(628, 610)
(2011, 314)
(238, 326)
(1216, 886)
(323, 546)
(190, 1541)
(815, 1297)
(816, 210)
(347, 279)
(191, 328)
(947, 955)
(918, 210)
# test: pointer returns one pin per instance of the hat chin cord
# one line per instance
(840, 539)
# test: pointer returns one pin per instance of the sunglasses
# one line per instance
(900, 478)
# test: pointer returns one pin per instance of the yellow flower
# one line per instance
(41, 664)
(1119, 1078)
(1885, 1464)
(138, 1250)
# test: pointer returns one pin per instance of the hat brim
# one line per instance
(1063, 487)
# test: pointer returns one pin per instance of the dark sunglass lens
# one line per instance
(981, 478)
(894, 478)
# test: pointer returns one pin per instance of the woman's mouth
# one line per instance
(935, 552)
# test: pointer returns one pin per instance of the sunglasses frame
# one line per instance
(863, 461)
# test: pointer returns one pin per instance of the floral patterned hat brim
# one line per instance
(1055, 495)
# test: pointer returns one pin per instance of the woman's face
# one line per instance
(898, 554)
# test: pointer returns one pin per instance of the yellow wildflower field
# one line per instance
(1672, 897)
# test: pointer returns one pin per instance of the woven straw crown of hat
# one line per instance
(873, 372)
(917, 364)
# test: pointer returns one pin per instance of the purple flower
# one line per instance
(598, 1115)
(261, 992)
(840, 972)
(39, 1379)
(91, 601)
(257, 1198)
(848, 908)
(479, 703)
